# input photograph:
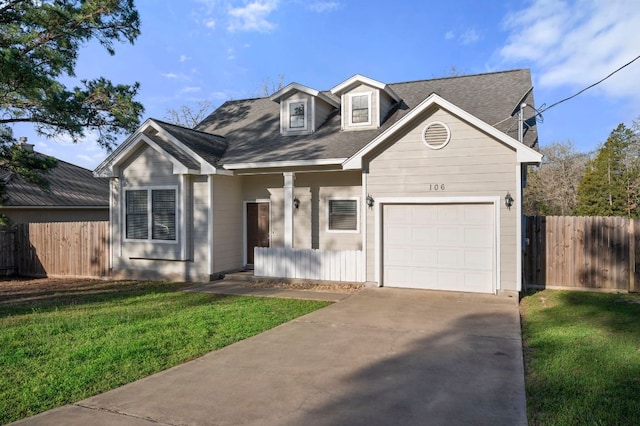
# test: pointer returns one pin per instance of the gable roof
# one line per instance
(189, 150)
(69, 186)
(295, 87)
(360, 79)
(523, 152)
(251, 127)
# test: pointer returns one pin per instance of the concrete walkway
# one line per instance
(379, 357)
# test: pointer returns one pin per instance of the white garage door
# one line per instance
(439, 246)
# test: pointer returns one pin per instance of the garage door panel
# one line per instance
(439, 246)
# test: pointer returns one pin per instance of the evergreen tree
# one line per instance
(39, 44)
(610, 186)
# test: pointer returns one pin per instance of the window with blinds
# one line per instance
(343, 215)
(156, 218)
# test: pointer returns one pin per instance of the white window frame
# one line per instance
(350, 97)
(149, 190)
(343, 231)
(287, 118)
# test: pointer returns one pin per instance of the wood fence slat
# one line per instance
(582, 252)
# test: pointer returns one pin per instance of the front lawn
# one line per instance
(582, 358)
(63, 345)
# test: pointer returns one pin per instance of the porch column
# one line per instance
(288, 209)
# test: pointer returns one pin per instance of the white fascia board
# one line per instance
(293, 163)
(295, 87)
(205, 167)
(105, 169)
(347, 84)
(524, 154)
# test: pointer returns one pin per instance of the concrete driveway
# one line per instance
(379, 357)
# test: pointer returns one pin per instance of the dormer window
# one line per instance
(297, 115)
(360, 108)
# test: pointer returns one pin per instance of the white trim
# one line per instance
(244, 224)
(205, 166)
(360, 79)
(328, 209)
(182, 202)
(424, 134)
(286, 122)
(379, 203)
(524, 154)
(350, 97)
(364, 225)
(123, 209)
(210, 200)
(518, 205)
(112, 190)
(288, 208)
(293, 163)
(295, 87)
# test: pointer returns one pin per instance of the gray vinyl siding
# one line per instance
(310, 221)
(471, 165)
(385, 105)
(322, 111)
(374, 113)
(161, 260)
(227, 223)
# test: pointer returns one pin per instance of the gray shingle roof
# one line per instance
(69, 186)
(209, 146)
(173, 151)
(251, 127)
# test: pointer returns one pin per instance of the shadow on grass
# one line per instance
(24, 296)
(582, 357)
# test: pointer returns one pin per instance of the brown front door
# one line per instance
(257, 228)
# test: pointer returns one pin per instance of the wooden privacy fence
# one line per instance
(594, 253)
(7, 251)
(71, 249)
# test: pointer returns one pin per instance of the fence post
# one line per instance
(632, 255)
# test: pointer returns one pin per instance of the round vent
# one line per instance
(436, 135)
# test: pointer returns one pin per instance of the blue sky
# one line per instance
(216, 50)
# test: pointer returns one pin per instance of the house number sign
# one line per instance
(436, 187)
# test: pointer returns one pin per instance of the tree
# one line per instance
(552, 188)
(186, 116)
(269, 87)
(39, 44)
(611, 184)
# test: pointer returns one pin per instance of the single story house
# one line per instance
(74, 194)
(415, 184)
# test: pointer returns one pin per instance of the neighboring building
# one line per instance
(403, 184)
(73, 194)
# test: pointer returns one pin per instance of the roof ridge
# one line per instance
(460, 76)
(187, 128)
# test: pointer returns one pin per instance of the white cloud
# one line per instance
(184, 58)
(577, 43)
(169, 75)
(252, 16)
(231, 54)
(323, 6)
(210, 23)
(190, 89)
(469, 36)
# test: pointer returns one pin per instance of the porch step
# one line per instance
(247, 276)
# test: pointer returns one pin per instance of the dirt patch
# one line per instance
(20, 290)
(333, 288)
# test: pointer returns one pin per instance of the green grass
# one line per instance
(61, 348)
(582, 358)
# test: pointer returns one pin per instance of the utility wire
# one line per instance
(589, 87)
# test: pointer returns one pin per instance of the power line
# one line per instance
(589, 87)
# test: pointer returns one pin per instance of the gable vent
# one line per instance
(436, 135)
